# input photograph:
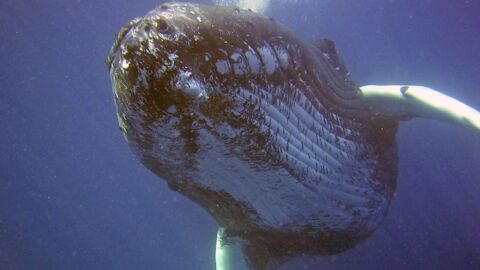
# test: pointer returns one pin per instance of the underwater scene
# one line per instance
(240, 135)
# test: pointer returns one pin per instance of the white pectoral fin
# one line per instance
(229, 253)
(406, 101)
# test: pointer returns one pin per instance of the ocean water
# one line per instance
(72, 196)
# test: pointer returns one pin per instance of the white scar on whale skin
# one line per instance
(420, 101)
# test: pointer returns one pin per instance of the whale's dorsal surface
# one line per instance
(266, 132)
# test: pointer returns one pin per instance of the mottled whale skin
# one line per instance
(263, 130)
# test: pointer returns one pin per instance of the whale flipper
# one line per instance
(408, 101)
(236, 253)
(229, 254)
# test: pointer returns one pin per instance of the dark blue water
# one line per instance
(72, 196)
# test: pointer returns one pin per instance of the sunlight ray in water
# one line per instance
(259, 6)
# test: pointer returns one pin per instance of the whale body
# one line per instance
(265, 131)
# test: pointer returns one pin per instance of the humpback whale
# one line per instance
(267, 132)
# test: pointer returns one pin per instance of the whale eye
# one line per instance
(162, 26)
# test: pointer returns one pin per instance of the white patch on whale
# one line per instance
(125, 64)
(152, 48)
(269, 60)
(239, 67)
(190, 85)
(283, 56)
(253, 61)
(222, 66)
